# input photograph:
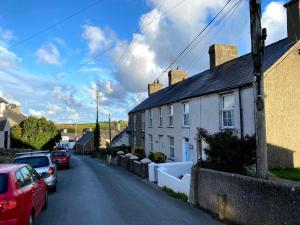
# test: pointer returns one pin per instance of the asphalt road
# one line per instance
(93, 193)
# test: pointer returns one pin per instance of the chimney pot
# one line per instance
(293, 20)
(220, 53)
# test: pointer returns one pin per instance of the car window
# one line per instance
(3, 183)
(59, 154)
(34, 173)
(27, 176)
(20, 179)
(35, 162)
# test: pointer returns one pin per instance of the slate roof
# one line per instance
(2, 124)
(17, 117)
(85, 138)
(233, 74)
(3, 100)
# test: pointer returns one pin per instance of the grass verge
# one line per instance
(288, 173)
(174, 194)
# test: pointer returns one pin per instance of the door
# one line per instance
(5, 139)
(186, 150)
(160, 142)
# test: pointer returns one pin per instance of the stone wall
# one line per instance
(7, 155)
(246, 200)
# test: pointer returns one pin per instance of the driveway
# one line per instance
(93, 193)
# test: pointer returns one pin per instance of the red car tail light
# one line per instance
(7, 204)
(51, 170)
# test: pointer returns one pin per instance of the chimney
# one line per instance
(152, 88)
(293, 20)
(176, 76)
(219, 54)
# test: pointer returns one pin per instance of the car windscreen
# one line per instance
(59, 154)
(35, 162)
(3, 183)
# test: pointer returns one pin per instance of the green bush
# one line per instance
(139, 152)
(227, 152)
(174, 194)
(157, 157)
(113, 150)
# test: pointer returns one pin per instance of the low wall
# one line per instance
(140, 169)
(246, 200)
(7, 155)
(124, 162)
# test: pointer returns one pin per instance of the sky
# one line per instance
(54, 55)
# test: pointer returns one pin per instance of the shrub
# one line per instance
(113, 150)
(139, 152)
(227, 152)
(157, 157)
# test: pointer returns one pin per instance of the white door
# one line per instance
(186, 150)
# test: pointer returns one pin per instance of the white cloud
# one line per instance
(65, 93)
(8, 60)
(274, 19)
(36, 113)
(96, 38)
(7, 35)
(53, 109)
(49, 54)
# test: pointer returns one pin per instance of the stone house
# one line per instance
(85, 144)
(4, 133)
(223, 97)
(11, 112)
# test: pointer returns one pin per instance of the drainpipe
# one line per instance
(241, 114)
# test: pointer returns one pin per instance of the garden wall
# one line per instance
(246, 200)
(7, 155)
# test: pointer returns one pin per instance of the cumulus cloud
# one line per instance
(36, 113)
(65, 93)
(53, 109)
(8, 59)
(274, 19)
(96, 38)
(6, 35)
(49, 54)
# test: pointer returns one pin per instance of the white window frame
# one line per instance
(150, 118)
(171, 147)
(160, 112)
(171, 115)
(230, 109)
(143, 121)
(186, 114)
(151, 142)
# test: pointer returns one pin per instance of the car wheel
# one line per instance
(54, 188)
(45, 206)
(30, 220)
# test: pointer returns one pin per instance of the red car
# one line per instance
(23, 194)
(61, 158)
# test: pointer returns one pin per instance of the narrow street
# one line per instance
(93, 193)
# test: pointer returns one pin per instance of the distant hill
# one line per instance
(85, 126)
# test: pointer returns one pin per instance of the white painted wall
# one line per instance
(122, 140)
(204, 113)
(2, 109)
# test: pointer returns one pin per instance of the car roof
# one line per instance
(32, 155)
(6, 168)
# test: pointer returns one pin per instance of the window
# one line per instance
(134, 123)
(27, 176)
(3, 183)
(35, 162)
(20, 179)
(160, 116)
(150, 118)
(186, 114)
(171, 112)
(151, 142)
(227, 111)
(171, 147)
(143, 121)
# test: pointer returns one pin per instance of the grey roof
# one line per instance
(3, 100)
(2, 123)
(85, 138)
(233, 74)
(17, 117)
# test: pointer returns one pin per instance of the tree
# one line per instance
(35, 133)
(97, 137)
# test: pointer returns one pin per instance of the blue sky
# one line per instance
(55, 72)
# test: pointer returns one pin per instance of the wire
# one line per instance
(55, 24)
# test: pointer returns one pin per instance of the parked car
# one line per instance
(43, 163)
(61, 158)
(23, 194)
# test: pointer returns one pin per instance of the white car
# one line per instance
(42, 162)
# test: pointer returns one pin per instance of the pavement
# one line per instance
(94, 193)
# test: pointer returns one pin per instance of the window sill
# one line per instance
(171, 159)
(170, 127)
(160, 127)
(224, 128)
(185, 127)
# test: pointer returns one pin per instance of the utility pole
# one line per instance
(258, 37)
(109, 125)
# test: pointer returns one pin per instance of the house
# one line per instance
(121, 139)
(12, 112)
(85, 144)
(223, 97)
(4, 133)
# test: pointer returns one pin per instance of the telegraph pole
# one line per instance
(258, 37)
(109, 125)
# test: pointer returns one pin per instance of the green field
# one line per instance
(80, 127)
(289, 173)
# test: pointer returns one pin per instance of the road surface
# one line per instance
(93, 193)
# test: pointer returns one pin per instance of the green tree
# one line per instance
(35, 133)
(97, 137)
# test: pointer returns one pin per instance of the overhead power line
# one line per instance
(54, 24)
